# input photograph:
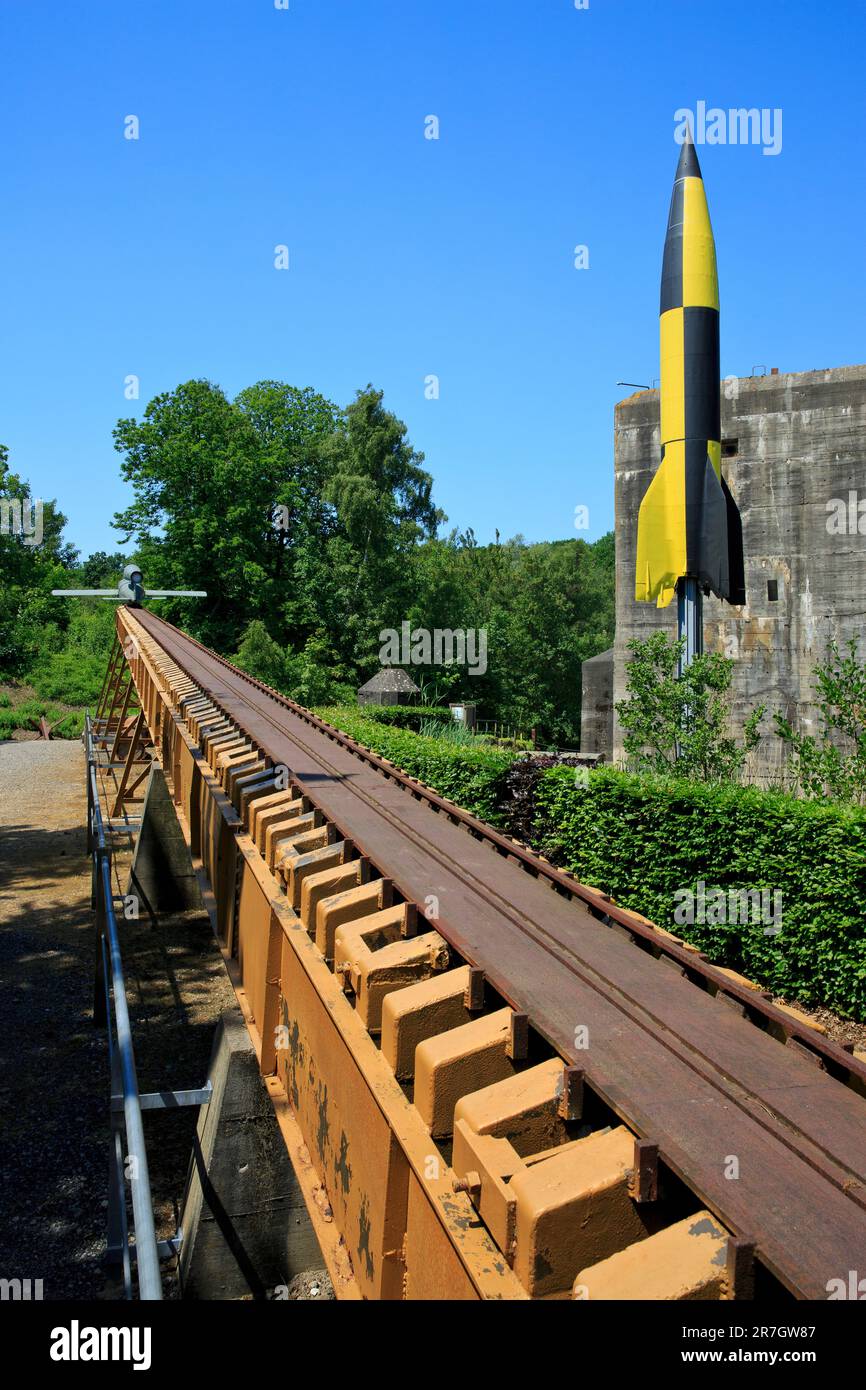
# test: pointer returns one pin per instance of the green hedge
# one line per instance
(403, 716)
(468, 775)
(643, 840)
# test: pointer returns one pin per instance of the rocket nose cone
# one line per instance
(688, 166)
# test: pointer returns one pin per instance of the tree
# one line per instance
(285, 509)
(383, 508)
(229, 498)
(546, 608)
(101, 570)
(315, 528)
(834, 764)
(31, 565)
(676, 724)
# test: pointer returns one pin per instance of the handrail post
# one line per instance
(100, 1008)
(113, 1012)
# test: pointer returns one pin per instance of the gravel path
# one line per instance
(53, 1071)
(54, 1084)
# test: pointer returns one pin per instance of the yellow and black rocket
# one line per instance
(689, 526)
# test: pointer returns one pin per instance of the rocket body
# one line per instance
(689, 525)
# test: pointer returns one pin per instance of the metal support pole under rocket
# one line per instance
(689, 536)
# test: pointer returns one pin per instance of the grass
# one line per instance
(21, 710)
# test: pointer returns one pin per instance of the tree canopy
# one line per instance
(313, 530)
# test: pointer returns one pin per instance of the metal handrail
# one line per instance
(110, 1007)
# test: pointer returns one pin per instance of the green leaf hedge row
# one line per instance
(470, 776)
(404, 716)
(642, 840)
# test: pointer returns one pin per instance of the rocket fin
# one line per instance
(661, 530)
(714, 528)
(706, 521)
(689, 524)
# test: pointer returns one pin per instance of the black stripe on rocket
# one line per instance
(714, 534)
(672, 262)
(701, 394)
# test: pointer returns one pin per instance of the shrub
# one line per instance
(405, 716)
(71, 676)
(27, 715)
(834, 764)
(646, 840)
(675, 724)
(467, 774)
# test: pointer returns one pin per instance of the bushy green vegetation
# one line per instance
(74, 669)
(30, 618)
(56, 647)
(833, 763)
(407, 716)
(469, 775)
(27, 714)
(645, 840)
(314, 531)
(678, 723)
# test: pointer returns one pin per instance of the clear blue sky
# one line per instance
(408, 257)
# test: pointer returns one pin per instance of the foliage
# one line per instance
(74, 673)
(101, 570)
(284, 508)
(545, 608)
(69, 676)
(31, 620)
(677, 723)
(406, 716)
(644, 839)
(470, 776)
(319, 524)
(303, 676)
(834, 764)
(453, 732)
(27, 714)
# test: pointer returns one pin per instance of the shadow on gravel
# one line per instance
(54, 1079)
(53, 1072)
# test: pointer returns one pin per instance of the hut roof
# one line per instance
(390, 678)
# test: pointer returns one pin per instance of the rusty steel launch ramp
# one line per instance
(767, 1137)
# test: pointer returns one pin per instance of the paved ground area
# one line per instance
(53, 1062)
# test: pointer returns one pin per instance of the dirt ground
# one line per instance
(54, 1080)
(53, 1069)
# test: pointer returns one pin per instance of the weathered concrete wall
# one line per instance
(596, 707)
(246, 1229)
(800, 443)
(161, 871)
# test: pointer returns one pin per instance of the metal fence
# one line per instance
(128, 1157)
